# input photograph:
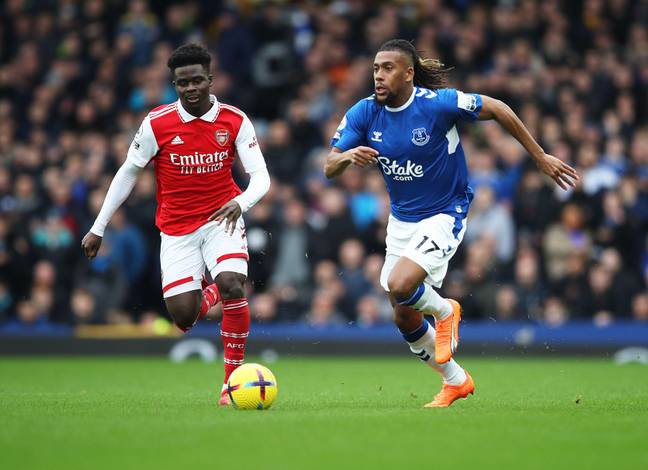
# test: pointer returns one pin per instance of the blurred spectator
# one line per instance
(369, 313)
(102, 284)
(555, 313)
(506, 303)
(142, 26)
(530, 290)
(488, 219)
(351, 274)
(640, 307)
(6, 302)
(30, 318)
(323, 311)
(262, 244)
(565, 238)
(264, 308)
(292, 266)
(83, 305)
(281, 150)
(334, 225)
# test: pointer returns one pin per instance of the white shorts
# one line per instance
(183, 258)
(430, 243)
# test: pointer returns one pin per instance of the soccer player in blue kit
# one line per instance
(408, 127)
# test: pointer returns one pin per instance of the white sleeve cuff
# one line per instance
(259, 185)
(121, 186)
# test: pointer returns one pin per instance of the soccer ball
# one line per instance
(252, 387)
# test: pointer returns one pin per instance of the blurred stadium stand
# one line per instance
(77, 77)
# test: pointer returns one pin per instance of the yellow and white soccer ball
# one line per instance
(252, 387)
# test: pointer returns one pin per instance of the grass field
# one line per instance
(330, 413)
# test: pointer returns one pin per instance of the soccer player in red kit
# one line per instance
(192, 144)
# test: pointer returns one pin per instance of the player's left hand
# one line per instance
(229, 213)
(563, 174)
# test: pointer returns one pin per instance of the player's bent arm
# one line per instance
(120, 187)
(336, 162)
(506, 117)
(257, 188)
(563, 174)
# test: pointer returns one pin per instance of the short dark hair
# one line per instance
(189, 54)
(428, 73)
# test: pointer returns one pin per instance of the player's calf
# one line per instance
(189, 307)
(184, 308)
(235, 326)
(407, 319)
(402, 288)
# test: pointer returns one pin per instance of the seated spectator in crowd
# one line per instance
(565, 238)
(264, 308)
(489, 219)
(368, 312)
(351, 274)
(323, 311)
(506, 303)
(640, 307)
(555, 313)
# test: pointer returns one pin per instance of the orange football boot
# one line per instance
(447, 334)
(450, 393)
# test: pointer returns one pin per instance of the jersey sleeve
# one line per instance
(247, 147)
(144, 146)
(352, 130)
(459, 106)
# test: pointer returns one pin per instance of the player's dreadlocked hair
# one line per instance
(189, 54)
(428, 73)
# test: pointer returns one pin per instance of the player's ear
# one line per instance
(210, 77)
(409, 75)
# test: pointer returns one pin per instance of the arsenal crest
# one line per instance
(222, 137)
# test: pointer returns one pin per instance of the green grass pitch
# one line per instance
(330, 413)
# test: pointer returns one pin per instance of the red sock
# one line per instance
(211, 297)
(235, 328)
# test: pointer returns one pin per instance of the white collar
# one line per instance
(403, 106)
(209, 116)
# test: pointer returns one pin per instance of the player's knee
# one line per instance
(231, 285)
(400, 288)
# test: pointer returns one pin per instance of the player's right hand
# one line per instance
(363, 156)
(91, 244)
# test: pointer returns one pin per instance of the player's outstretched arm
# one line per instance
(563, 174)
(338, 161)
(120, 187)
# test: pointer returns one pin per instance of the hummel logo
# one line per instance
(377, 136)
(177, 140)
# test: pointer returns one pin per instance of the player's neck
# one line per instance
(199, 109)
(400, 99)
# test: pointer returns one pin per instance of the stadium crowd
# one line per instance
(77, 77)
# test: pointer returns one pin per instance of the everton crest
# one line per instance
(222, 137)
(420, 136)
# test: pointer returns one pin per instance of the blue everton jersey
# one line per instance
(420, 155)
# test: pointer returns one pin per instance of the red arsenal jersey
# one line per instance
(193, 159)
